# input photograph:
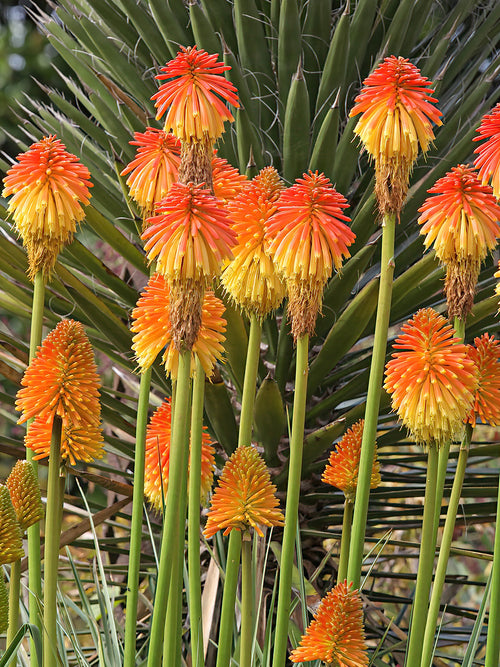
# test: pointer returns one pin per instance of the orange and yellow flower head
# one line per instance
(157, 460)
(154, 169)
(488, 152)
(49, 187)
(485, 353)
(432, 379)
(497, 275)
(245, 496)
(398, 111)
(342, 469)
(25, 494)
(460, 219)
(153, 331)
(11, 543)
(307, 238)
(227, 181)
(251, 279)
(336, 635)
(62, 381)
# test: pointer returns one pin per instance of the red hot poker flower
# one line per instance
(488, 153)
(485, 353)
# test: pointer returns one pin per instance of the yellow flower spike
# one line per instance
(158, 457)
(336, 635)
(25, 494)
(251, 279)
(432, 380)
(11, 544)
(343, 465)
(48, 184)
(245, 497)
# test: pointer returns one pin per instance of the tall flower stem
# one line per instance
(444, 452)
(194, 517)
(425, 563)
(136, 525)
(52, 537)
(444, 551)
(34, 558)
(345, 541)
(14, 593)
(174, 516)
(234, 548)
(493, 638)
(372, 401)
(292, 503)
(247, 607)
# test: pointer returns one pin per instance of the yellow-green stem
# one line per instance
(493, 636)
(197, 657)
(136, 525)
(292, 503)
(443, 454)
(228, 600)
(51, 556)
(174, 515)
(444, 551)
(250, 382)
(345, 541)
(33, 532)
(372, 401)
(425, 565)
(247, 608)
(14, 593)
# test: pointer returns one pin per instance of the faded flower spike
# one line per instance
(397, 110)
(25, 494)
(485, 353)
(245, 497)
(432, 380)
(153, 331)
(49, 185)
(154, 169)
(343, 465)
(158, 457)
(11, 544)
(307, 239)
(488, 153)
(336, 636)
(251, 279)
(461, 221)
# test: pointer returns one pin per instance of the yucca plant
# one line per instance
(297, 66)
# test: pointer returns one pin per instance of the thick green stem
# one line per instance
(14, 593)
(250, 382)
(372, 401)
(345, 541)
(197, 657)
(52, 538)
(493, 637)
(136, 525)
(228, 599)
(292, 503)
(444, 551)
(247, 607)
(425, 564)
(174, 514)
(444, 452)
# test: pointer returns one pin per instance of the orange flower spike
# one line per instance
(227, 181)
(343, 465)
(251, 279)
(461, 221)
(497, 275)
(25, 494)
(11, 544)
(49, 185)
(432, 379)
(81, 441)
(307, 238)
(62, 378)
(397, 110)
(154, 169)
(245, 497)
(488, 158)
(336, 635)
(158, 457)
(194, 96)
(485, 353)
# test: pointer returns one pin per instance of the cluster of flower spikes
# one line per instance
(48, 184)
(156, 470)
(62, 382)
(342, 468)
(397, 110)
(460, 219)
